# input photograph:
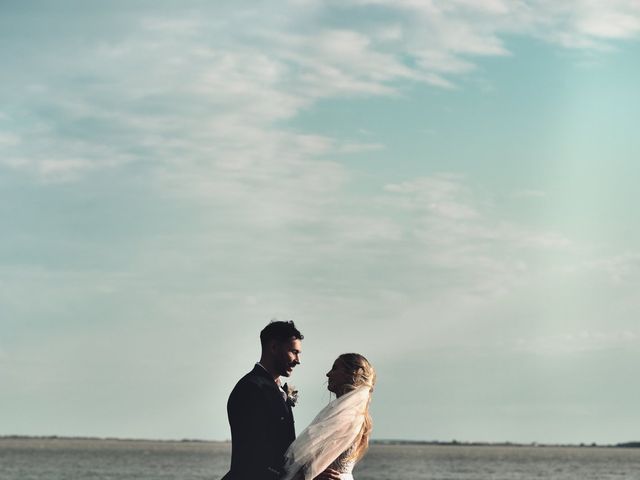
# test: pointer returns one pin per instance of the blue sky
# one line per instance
(446, 187)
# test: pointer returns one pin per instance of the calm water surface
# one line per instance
(63, 459)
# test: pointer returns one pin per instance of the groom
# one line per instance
(259, 407)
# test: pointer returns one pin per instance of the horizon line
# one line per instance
(379, 441)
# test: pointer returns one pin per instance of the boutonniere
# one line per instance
(292, 394)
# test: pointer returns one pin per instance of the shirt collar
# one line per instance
(277, 381)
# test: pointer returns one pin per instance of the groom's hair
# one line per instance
(279, 331)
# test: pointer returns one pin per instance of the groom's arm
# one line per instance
(248, 416)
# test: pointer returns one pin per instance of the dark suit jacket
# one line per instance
(262, 428)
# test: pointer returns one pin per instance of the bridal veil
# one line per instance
(334, 430)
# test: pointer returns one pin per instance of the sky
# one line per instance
(448, 188)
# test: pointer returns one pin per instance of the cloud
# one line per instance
(202, 111)
(169, 195)
(8, 139)
(592, 19)
(181, 87)
(442, 195)
(580, 342)
(459, 234)
(577, 23)
(621, 269)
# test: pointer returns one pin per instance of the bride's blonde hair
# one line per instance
(362, 375)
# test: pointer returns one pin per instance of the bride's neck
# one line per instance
(344, 389)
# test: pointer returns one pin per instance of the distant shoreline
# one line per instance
(453, 443)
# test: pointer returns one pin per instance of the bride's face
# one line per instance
(338, 377)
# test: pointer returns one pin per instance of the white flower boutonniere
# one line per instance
(292, 394)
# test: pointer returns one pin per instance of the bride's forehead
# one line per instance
(338, 363)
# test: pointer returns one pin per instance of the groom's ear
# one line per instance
(273, 346)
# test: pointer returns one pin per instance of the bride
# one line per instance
(338, 437)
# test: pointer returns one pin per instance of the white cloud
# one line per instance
(594, 18)
(8, 139)
(579, 342)
(621, 268)
(204, 107)
(443, 195)
(459, 234)
(265, 221)
(183, 86)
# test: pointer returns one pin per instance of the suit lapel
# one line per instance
(261, 372)
(283, 409)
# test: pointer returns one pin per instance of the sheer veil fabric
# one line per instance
(333, 431)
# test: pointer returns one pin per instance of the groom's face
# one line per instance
(287, 356)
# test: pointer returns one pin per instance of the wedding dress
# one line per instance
(330, 440)
(344, 464)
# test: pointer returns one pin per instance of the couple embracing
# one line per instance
(264, 443)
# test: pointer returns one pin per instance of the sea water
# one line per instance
(77, 459)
